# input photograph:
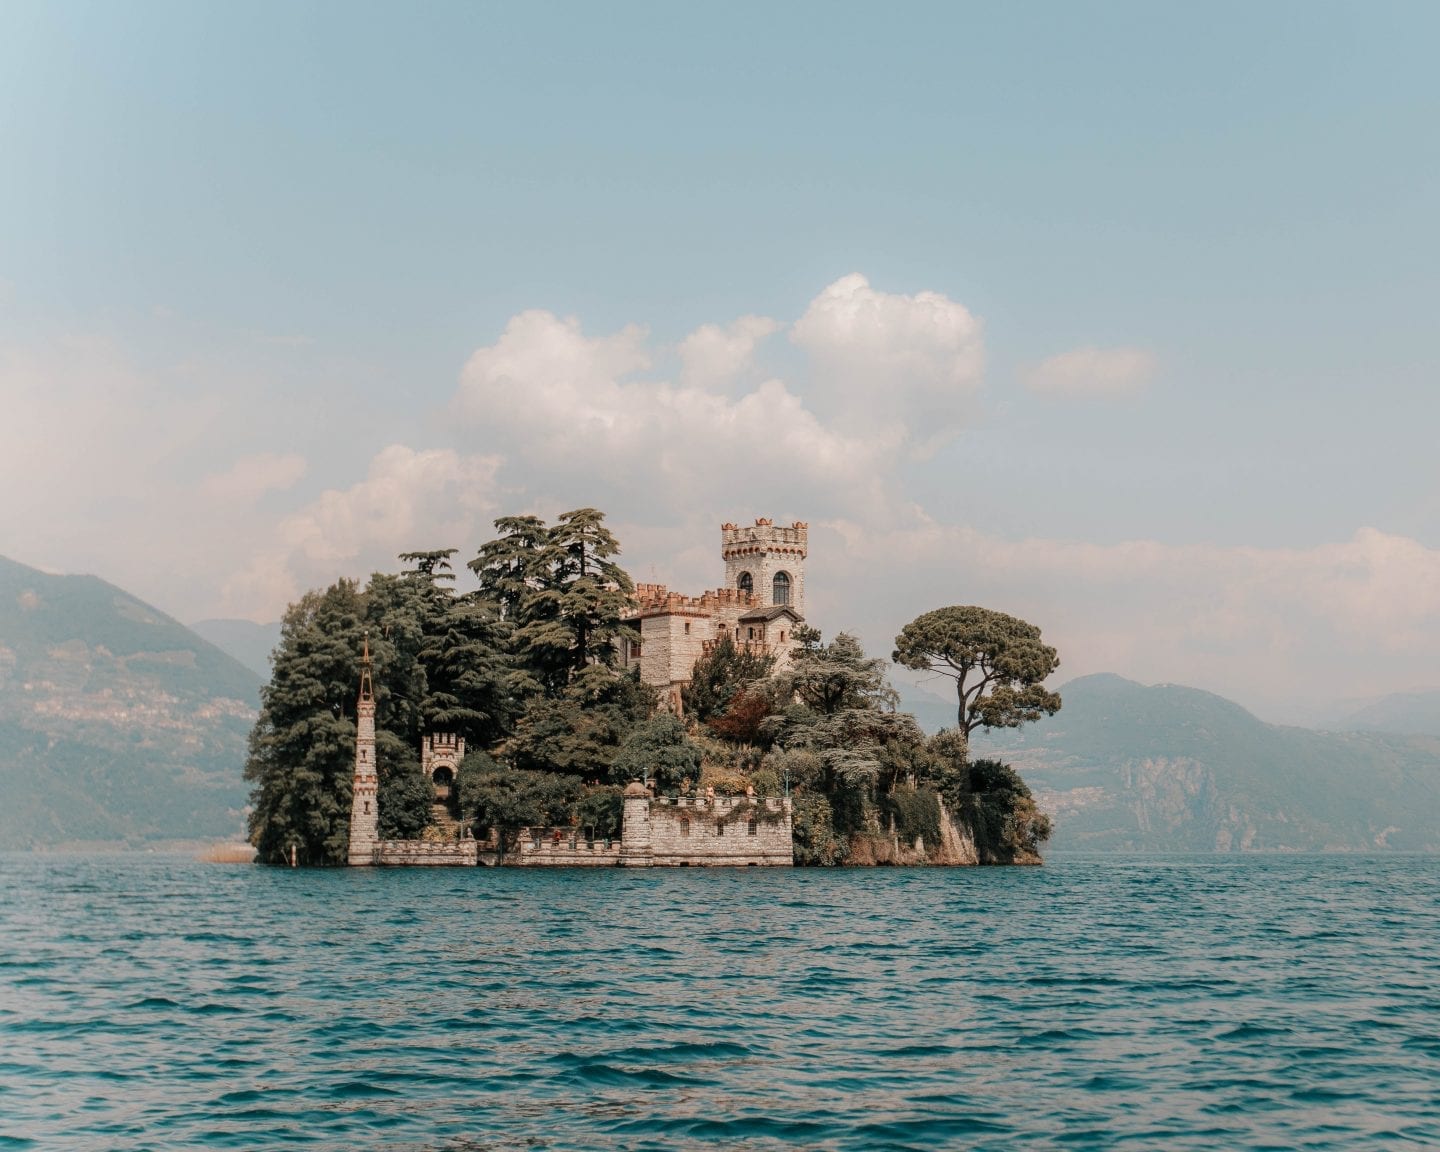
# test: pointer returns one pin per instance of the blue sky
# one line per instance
(247, 250)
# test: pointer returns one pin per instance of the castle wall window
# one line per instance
(684, 827)
(781, 587)
(687, 627)
(634, 649)
(752, 633)
(746, 583)
(719, 829)
(752, 829)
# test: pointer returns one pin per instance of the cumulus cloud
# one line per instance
(1256, 624)
(409, 501)
(251, 477)
(713, 355)
(568, 402)
(912, 363)
(1092, 372)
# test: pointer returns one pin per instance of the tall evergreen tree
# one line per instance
(302, 749)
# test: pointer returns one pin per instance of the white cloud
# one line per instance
(713, 356)
(886, 360)
(566, 402)
(409, 501)
(251, 477)
(1260, 624)
(1087, 372)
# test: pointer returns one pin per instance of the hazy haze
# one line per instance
(1121, 319)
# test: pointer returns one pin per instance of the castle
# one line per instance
(759, 608)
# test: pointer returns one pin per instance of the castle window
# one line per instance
(752, 828)
(687, 627)
(719, 829)
(685, 827)
(634, 649)
(752, 633)
(782, 636)
(746, 583)
(367, 807)
(782, 588)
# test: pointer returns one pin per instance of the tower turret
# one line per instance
(365, 800)
(767, 561)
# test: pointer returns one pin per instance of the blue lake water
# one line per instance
(1171, 1003)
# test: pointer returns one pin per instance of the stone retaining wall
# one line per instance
(431, 852)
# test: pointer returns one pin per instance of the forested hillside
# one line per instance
(118, 725)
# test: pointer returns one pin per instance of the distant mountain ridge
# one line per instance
(118, 725)
(1125, 767)
(248, 642)
(1401, 713)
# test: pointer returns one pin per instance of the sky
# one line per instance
(1117, 317)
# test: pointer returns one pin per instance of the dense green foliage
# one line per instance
(719, 675)
(998, 806)
(521, 667)
(658, 750)
(998, 663)
(524, 668)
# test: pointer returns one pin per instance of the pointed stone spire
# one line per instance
(365, 800)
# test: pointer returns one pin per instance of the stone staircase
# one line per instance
(447, 827)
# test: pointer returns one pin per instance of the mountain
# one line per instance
(1403, 713)
(248, 642)
(1125, 767)
(118, 725)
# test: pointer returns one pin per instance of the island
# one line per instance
(560, 714)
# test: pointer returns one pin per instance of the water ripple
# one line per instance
(1185, 1003)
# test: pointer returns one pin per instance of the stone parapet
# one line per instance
(462, 853)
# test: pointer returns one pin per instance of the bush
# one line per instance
(1001, 812)
(659, 750)
(602, 808)
(405, 798)
(814, 831)
(916, 812)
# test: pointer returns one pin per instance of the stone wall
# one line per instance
(733, 831)
(537, 848)
(724, 830)
(427, 852)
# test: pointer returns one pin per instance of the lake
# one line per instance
(1208, 1002)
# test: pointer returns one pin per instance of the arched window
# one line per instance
(782, 588)
(746, 583)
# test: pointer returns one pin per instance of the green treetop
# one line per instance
(998, 663)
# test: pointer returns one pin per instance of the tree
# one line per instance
(997, 661)
(658, 750)
(830, 677)
(508, 799)
(559, 589)
(579, 732)
(724, 671)
(302, 748)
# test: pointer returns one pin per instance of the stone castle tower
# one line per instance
(759, 608)
(767, 562)
(365, 802)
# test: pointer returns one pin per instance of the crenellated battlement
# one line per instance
(656, 599)
(763, 536)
